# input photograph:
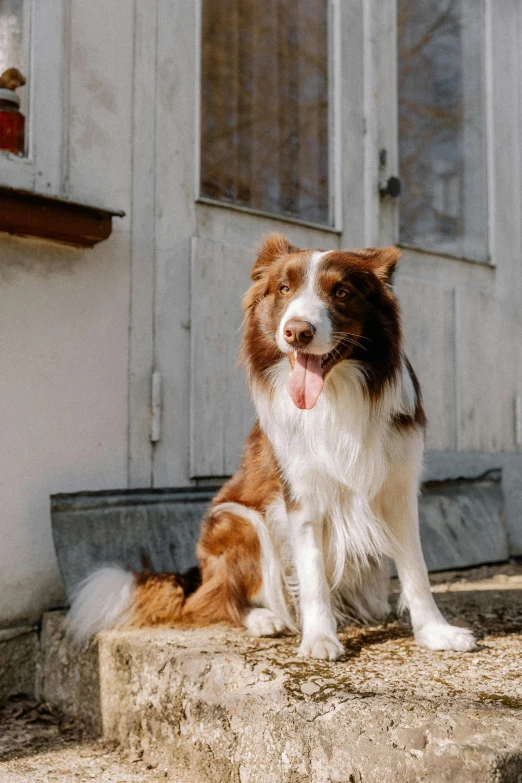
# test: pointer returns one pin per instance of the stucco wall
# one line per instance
(64, 318)
(63, 418)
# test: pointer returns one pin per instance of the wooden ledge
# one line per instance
(37, 215)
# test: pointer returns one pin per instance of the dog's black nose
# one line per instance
(297, 332)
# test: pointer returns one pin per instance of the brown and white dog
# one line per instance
(328, 483)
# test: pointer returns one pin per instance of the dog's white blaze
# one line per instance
(309, 306)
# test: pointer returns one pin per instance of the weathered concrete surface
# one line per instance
(18, 660)
(69, 677)
(216, 705)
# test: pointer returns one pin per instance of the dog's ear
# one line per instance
(274, 246)
(384, 263)
(381, 260)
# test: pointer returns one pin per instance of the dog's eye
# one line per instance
(341, 293)
(283, 289)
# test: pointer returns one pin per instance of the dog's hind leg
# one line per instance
(265, 612)
(229, 555)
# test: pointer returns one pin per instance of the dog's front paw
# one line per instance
(322, 646)
(445, 637)
(262, 622)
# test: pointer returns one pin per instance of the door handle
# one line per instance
(390, 187)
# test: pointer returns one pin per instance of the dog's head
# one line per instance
(319, 309)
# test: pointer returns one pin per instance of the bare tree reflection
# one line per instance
(430, 118)
(264, 105)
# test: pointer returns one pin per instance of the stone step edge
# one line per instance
(211, 707)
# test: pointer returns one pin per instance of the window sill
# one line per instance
(271, 215)
(443, 253)
(33, 214)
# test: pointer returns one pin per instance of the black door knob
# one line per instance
(391, 187)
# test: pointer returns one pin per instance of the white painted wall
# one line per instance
(64, 320)
(63, 350)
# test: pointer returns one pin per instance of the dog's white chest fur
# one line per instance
(335, 458)
(342, 442)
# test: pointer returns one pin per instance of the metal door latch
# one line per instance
(390, 187)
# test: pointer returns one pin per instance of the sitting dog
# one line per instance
(327, 488)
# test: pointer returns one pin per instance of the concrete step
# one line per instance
(215, 705)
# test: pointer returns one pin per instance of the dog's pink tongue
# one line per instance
(306, 380)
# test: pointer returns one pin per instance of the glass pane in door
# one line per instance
(442, 139)
(14, 43)
(264, 106)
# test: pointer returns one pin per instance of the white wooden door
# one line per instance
(454, 74)
(305, 156)
(210, 215)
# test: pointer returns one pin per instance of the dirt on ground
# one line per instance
(38, 744)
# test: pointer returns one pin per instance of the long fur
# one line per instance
(300, 535)
(102, 600)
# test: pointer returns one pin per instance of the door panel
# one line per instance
(428, 315)
(267, 147)
(488, 335)
(221, 411)
(204, 251)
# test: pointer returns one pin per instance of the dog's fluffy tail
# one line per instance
(112, 597)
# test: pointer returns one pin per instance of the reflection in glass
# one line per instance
(442, 126)
(12, 50)
(264, 106)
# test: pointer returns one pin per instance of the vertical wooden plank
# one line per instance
(369, 183)
(221, 412)
(354, 128)
(517, 330)
(429, 336)
(100, 109)
(384, 41)
(208, 367)
(49, 95)
(175, 143)
(506, 159)
(489, 342)
(142, 243)
(487, 371)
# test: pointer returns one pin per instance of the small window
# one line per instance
(264, 106)
(442, 138)
(14, 46)
(32, 40)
